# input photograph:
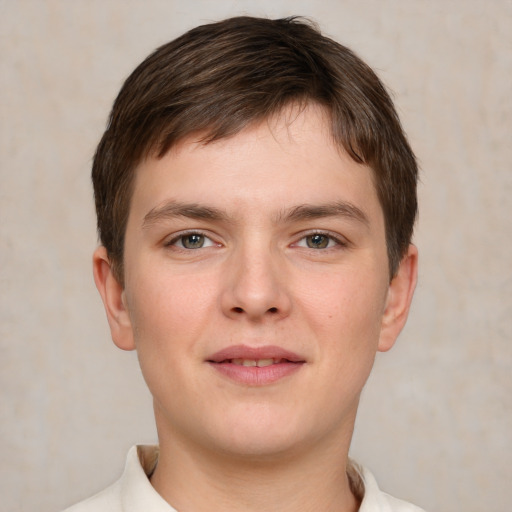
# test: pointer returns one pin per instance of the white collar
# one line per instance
(138, 494)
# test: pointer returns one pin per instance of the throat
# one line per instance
(252, 486)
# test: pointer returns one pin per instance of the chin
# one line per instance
(262, 448)
(261, 436)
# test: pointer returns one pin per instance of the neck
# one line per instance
(197, 479)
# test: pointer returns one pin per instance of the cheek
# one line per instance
(345, 307)
(344, 318)
(168, 318)
(168, 312)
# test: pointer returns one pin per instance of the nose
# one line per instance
(256, 287)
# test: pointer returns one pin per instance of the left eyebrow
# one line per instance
(311, 212)
(173, 209)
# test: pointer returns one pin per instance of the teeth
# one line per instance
(253, 362)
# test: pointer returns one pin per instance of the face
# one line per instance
(256, 287)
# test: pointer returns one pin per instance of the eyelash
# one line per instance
(338, 241)
(180, 236)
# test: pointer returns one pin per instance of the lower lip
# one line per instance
(256, 375)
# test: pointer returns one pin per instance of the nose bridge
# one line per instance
(256, 287)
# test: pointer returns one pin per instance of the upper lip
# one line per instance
(254, 353)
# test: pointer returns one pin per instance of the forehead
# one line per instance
(288, 158)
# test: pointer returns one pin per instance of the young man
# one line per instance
(256, 199)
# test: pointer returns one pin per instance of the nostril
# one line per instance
(238, 309)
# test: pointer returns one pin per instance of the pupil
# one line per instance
(317, 241)
(193, 241)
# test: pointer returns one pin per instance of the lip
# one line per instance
(289, 363)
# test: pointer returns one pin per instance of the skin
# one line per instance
(314, 282)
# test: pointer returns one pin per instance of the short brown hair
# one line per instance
(217, 79)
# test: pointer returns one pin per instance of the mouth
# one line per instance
(255, 366)
(260, 363)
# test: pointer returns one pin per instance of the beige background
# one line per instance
(436, 418)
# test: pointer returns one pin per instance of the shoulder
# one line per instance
(133, 492)
(108, 500)
(396, 505)
(374, 500)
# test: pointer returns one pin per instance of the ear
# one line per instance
(398, 302)
(112, 294)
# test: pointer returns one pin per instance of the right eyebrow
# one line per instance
(173, 209)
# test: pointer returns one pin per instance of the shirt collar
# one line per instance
(138, 494)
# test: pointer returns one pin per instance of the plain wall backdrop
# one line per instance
(435, 421)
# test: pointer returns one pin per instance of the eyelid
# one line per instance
(175, 237)
(339, 240)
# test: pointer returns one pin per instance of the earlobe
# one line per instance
(398, 303)
(112, 294)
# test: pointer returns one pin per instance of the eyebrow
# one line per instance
(173, 209)
(336, 209)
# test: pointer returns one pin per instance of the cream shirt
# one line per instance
(133, 492)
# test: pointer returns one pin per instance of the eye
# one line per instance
(192, 241)
(318, 241)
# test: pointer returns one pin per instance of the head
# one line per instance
(218, 79)
(256, 197)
